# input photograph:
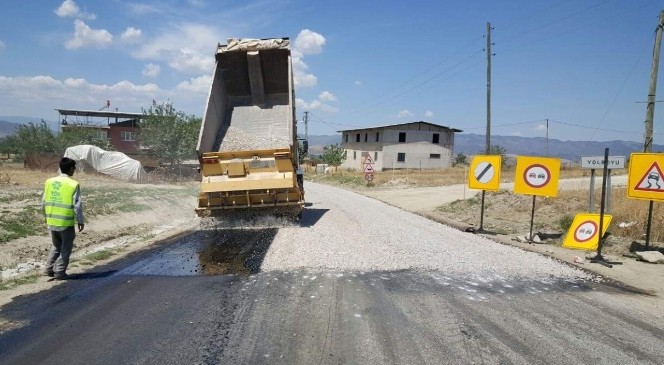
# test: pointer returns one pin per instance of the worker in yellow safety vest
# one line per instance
(63, 208)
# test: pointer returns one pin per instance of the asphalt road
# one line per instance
(195, 301)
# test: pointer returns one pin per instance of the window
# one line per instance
(402, 137)
(127, 136)
(357, 137)
(100, 134)
(346, 137)
(434, 155)
(436, 138)
(355, 154)
(375, 156)
(377, 136)
(401, 157)
(366, 137)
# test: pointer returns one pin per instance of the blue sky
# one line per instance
(582, 64)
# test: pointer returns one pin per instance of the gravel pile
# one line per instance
(346, 231)
(235, 139)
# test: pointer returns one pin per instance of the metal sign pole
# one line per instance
(482, 213)
(591, 205)
(649, 225)
(600, 238)
(532, 219)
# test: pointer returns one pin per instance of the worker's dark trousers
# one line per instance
(63, 242)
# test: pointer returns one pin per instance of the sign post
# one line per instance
(368, 169)
(594, 162)
(599, 259)
(536, 176)
(645, 181)
(484, 173)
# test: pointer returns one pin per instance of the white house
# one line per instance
(400, 146)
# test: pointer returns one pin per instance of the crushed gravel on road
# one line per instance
(345, 231)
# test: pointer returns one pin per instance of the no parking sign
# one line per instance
(536, 176)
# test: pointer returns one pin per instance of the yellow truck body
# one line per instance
(247, 145)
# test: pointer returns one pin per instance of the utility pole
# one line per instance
(488, 87)
(488, 111)
(306, 131)
(650, 111)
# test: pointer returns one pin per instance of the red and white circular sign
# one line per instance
(537, 176)
(585, 231)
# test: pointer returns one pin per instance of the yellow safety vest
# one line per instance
(59, 201)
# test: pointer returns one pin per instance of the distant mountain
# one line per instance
(9, 124)
(473, 144)
(7, 128)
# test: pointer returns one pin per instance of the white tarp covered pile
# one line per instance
(115, 164)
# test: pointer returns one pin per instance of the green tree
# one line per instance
(334, 155)
(35, 138)
(301, 150)
(169, 134)
(75, 135)
(461, 159)
(497, 150)
(8, 145)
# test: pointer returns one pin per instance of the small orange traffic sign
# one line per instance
(645, 179)
(583, 234)
(536, 176)
(484, 172)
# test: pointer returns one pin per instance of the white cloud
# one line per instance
(308, 42)
(21, 94)
(314, 105)
(142, 9)
(187, 48)
(358, 83)
(200, 85)
(84, 36)
(68, 8)
(131, 34)
(304, 79)
(2, 46)
(404, 113)
(151, 70)
(428, 114)
(541, 127)
(327, 96)
(516, 134)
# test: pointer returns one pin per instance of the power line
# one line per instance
(592, 128)
(418, 85)
(552, 22)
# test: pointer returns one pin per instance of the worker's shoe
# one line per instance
(61, 276)
(49, 273)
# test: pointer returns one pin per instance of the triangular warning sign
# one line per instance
(368, 159)
(653, 180)
(368, 169)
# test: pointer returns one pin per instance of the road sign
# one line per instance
(583, 234)
(369, 177)
(368, 168)
(367, 160)
(536, 176)
(484, 173)
(597, 162)
(645, 179)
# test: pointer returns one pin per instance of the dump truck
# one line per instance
(247, 144)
